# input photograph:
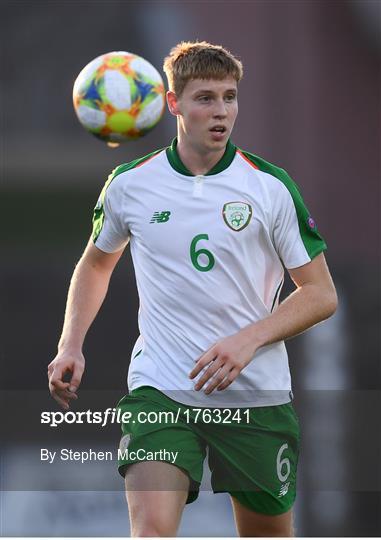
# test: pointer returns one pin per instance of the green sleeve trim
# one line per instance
(98, 214)
(312, 240)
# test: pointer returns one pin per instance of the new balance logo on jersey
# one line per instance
(160, 217)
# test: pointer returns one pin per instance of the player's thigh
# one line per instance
(251, 523)
(156, 494)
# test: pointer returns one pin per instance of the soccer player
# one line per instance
(211, 229)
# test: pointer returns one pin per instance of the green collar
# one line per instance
(178, 165)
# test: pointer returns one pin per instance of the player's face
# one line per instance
(206, 112)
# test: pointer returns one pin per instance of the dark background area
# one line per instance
(309, 102)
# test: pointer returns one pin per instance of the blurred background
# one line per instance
(310, 103)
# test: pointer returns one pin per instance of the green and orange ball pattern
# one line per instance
(119, 96)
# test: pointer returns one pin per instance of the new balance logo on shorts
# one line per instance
(160, 217)
(284, 489)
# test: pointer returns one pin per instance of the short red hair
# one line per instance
(199, 60)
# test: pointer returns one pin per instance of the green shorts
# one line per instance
(252, 452)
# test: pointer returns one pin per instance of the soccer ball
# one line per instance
(118, 97)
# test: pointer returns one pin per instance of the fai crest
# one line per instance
(237, 215)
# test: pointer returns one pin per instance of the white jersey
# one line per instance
(209, 254)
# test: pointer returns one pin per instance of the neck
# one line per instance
(196, 159)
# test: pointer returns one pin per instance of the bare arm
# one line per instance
(313, 300)
(88, 288)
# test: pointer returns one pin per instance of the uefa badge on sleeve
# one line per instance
(237, 215)
(311, 223)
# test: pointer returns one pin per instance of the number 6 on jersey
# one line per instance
(194, 255)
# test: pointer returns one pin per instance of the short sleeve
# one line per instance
(110, 233)
(295, 234)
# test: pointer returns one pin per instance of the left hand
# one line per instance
(226, 360)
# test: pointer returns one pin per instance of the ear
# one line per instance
(172, 103)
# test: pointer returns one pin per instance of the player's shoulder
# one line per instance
(119, 178)
(138, 163)
(278, 174)
(262, 165)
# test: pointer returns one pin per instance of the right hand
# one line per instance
(62, 391)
